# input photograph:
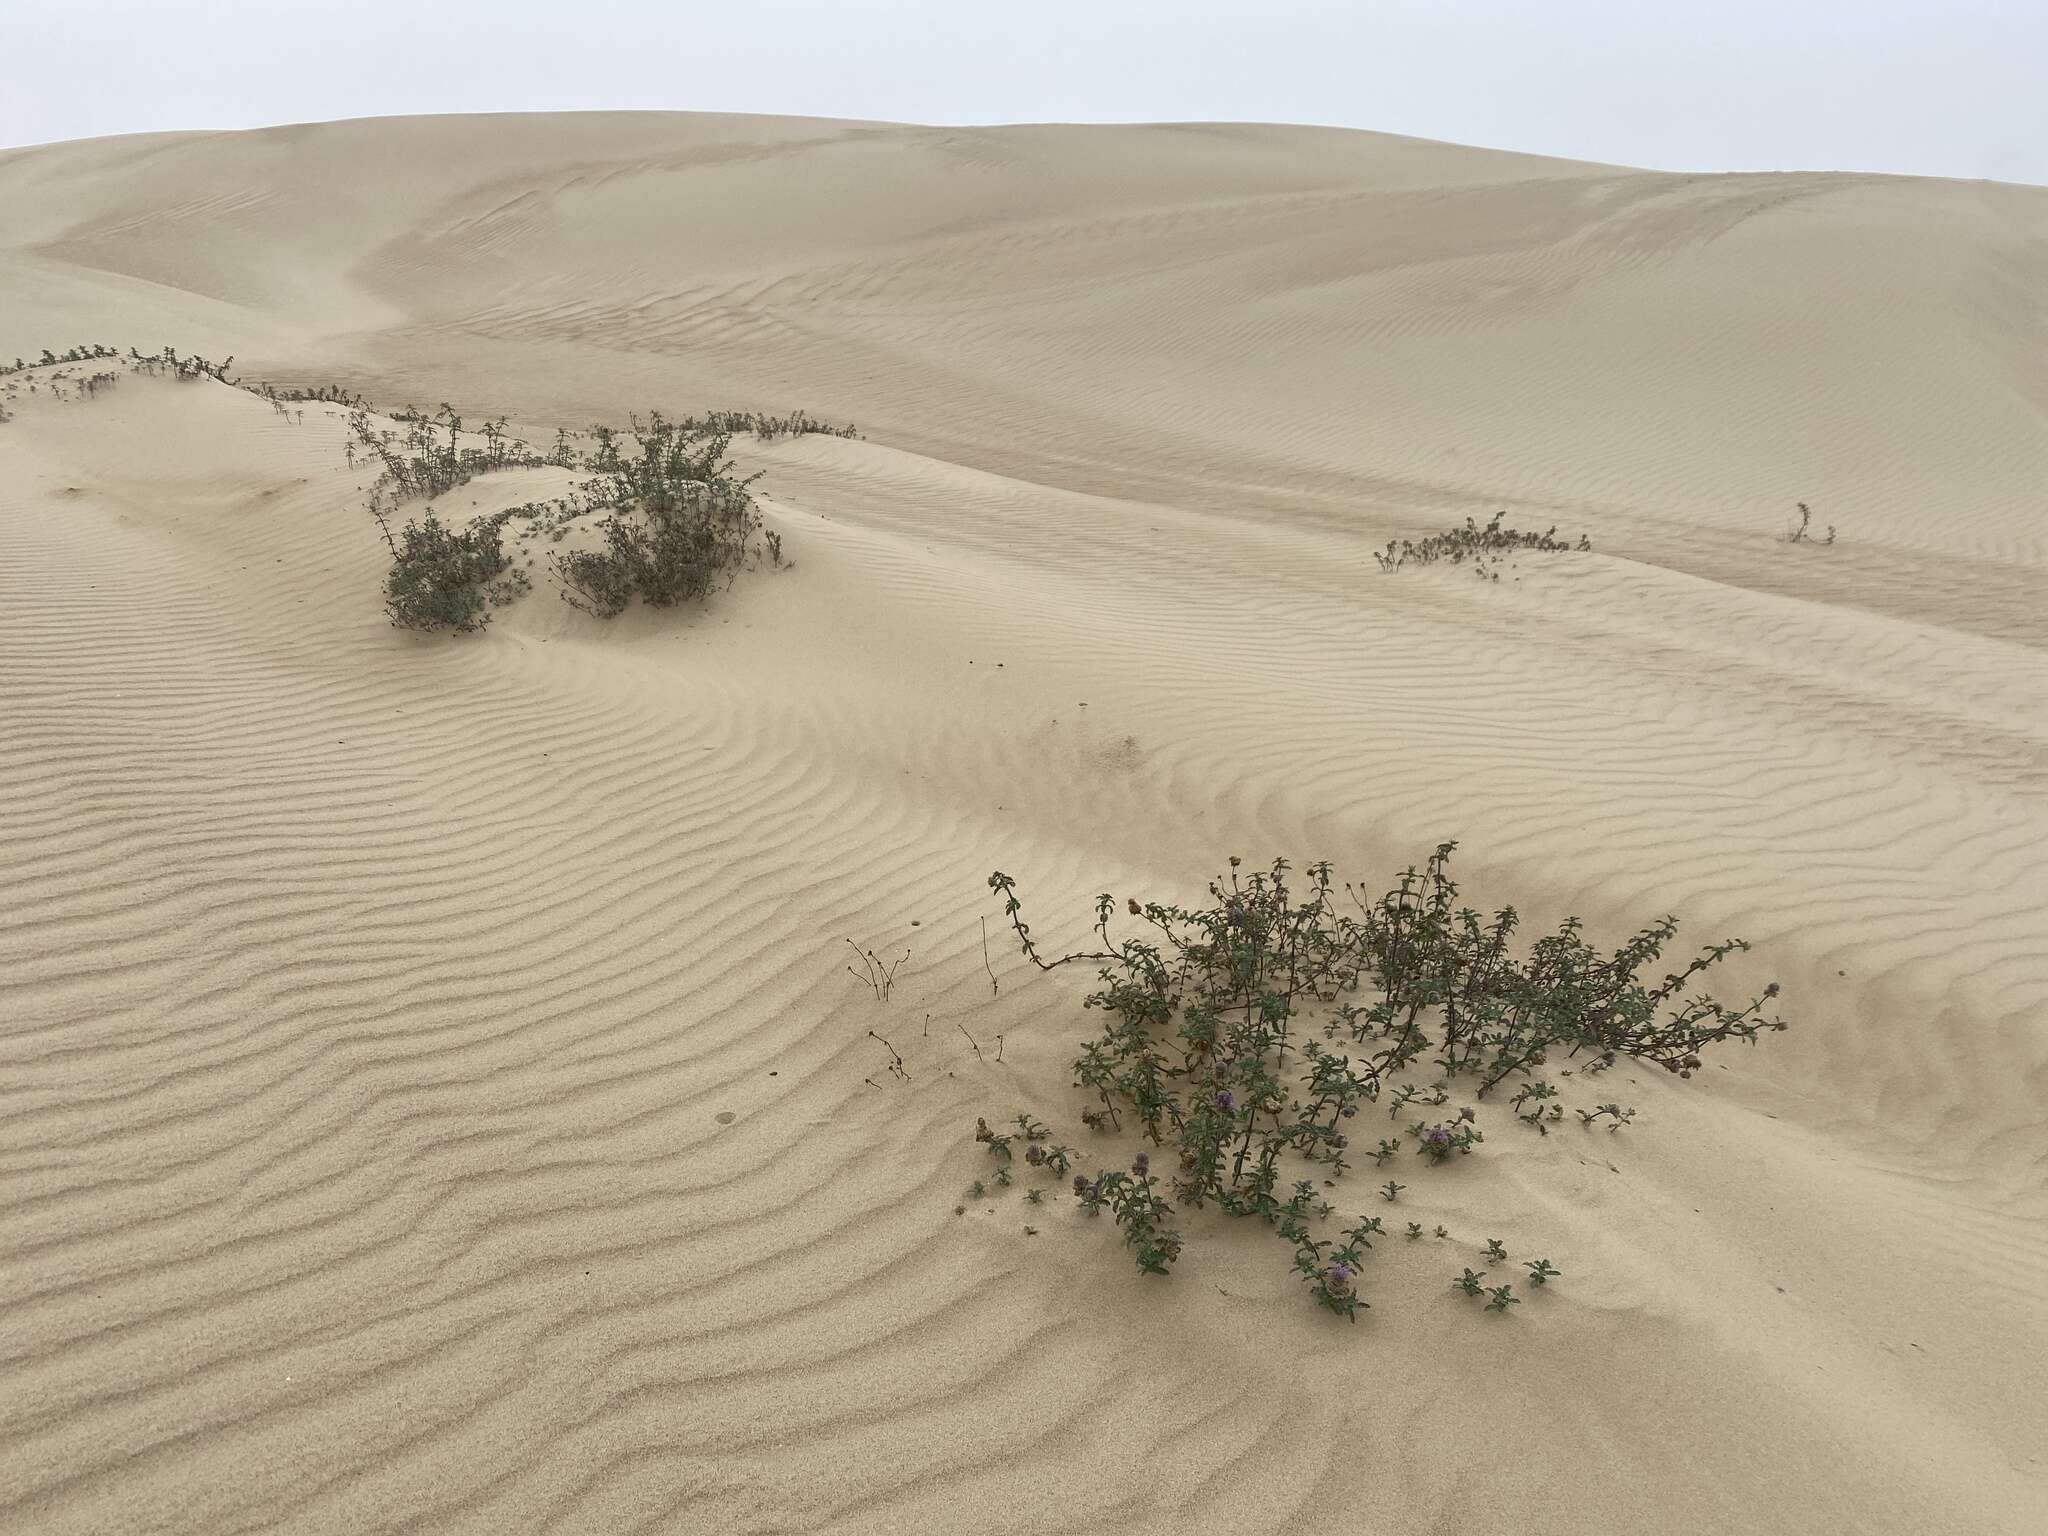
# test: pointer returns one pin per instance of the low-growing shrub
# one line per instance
(1245, 1035)
(439, 576)
(678, 523)
(675, 522)
(1482, 546)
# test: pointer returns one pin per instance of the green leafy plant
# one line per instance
(1133, 1198)
(1615, 1116)
(677, 523)
(440, 578)
(1241, 1035)
(1439, 1142)
(998, 1145)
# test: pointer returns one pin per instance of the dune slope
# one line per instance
(431, 1094)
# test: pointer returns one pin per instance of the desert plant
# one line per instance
(1215, 1019)
(767, 428)
(876, 974)
(438, 576)
(1331, 1269)
(1133, 1198)
(678, 522)
(1482, 546)
(1800, 532)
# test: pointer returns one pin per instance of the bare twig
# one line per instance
(879, 978)
(896, 1066)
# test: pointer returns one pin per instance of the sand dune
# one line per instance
(431, 1097)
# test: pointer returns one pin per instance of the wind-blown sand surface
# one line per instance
(431, 1096)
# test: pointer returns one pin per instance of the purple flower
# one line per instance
(1437, 1136)
(1081, 1185)
(1141, 1164)
(1227, 1102)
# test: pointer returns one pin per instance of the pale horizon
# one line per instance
(1902, 89)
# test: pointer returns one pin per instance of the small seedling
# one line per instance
(1390, 1191)
(998, 1146)
(1055, 1159)
(1496, 1250)
(1469, 1282)
(1540, 1271)
(1438, 1142)
(1503, 1297)
(1539, 1114)
(1331, 1270)
(1414, 1230)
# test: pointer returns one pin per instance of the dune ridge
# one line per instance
(369, 1004)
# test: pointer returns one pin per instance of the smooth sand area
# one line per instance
(431, 1094)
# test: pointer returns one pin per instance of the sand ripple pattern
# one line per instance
(431, 1097)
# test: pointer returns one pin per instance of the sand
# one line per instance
(431, 1094)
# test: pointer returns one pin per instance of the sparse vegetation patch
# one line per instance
(1483, 547)
(1243, 1038)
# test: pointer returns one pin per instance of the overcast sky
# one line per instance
(1935, 87)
